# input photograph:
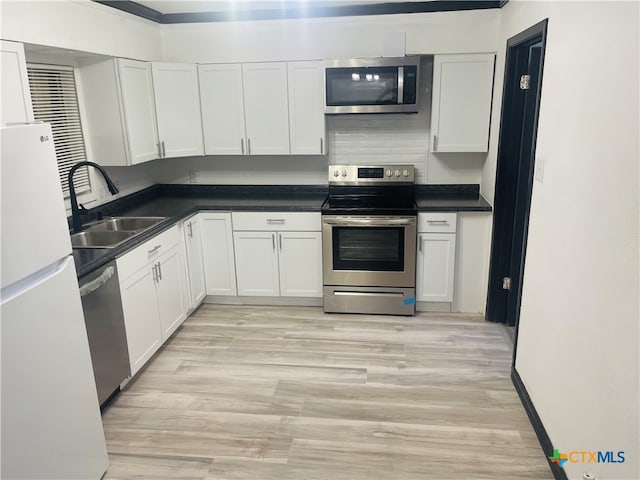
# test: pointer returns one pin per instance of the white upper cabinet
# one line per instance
(136, 90)
(306, 108)
(266, 108)
(222, 109)
(16, 97)
(120, 112)
(461, 106)
(177, 101)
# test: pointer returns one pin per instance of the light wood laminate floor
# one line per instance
(284, 393)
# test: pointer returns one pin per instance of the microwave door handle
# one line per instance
(400, 85)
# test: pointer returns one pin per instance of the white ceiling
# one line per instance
(199, 6)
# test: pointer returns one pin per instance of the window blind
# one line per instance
(53, 94)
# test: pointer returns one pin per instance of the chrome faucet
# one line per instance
(77, 211)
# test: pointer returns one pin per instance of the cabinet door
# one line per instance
(177, 99)
(256, 263)
(16, 96)
(222, 109)
(266, 108)
(169, 289)
(300, 262)
(195, 265)
(306, 108)
(217, 254)
(141, 317)
(435, 269)
(139, 111)
(461, 107)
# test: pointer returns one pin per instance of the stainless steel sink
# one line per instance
(111, 232)
(97, 239)
(133, 224)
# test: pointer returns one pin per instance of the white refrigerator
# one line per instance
(50, 420)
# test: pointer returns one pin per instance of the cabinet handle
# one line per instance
(280, 240)
(273, 241)
(242, 145)
(435, 143)
(164, 150)
(420, 243)
(275, 221)
(159, 145)
(155, 272)
(321, 147)
(190, 229)
(438, 222)
(154, 249)
(159, 271)
(249, 146)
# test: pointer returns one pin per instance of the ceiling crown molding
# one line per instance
(308, 12)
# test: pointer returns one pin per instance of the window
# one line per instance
(53, 94)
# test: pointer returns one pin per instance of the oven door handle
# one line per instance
(377, 222)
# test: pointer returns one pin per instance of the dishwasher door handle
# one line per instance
(96, 283)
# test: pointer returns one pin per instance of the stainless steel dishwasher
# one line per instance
(104, 318)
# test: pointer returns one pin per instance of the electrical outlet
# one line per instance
(539, 168)
(193, 176)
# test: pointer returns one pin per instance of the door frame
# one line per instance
(507, 176)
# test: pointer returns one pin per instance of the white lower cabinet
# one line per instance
(300, 264)
(195, 267)
(141, 317)
(256, 264)
(277, 255)
(152, 290)
(218, 253)
(169, 289)
(436, 257)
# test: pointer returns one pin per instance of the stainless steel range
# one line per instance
(369, 240)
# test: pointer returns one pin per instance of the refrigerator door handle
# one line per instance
(16, 289)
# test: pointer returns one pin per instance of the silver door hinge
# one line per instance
(506, 283)
(525, 82)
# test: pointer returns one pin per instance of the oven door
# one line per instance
(373, 251)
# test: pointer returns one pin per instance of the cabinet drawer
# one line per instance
(147, 252)
(436, 222)
(276, 221)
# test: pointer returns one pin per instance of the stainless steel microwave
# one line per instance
(372, 85)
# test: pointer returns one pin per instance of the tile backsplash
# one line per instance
(379, 140)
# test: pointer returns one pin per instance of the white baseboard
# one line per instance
(433, 307)
(277, 301)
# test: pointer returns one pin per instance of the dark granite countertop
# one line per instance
(451, 198)
(177, 202)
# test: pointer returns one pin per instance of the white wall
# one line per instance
(578, 342)
(359, 139)
(80, 25)
(343, 37)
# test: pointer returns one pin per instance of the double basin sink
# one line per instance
(111, 232)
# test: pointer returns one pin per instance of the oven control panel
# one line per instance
(340, 174)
